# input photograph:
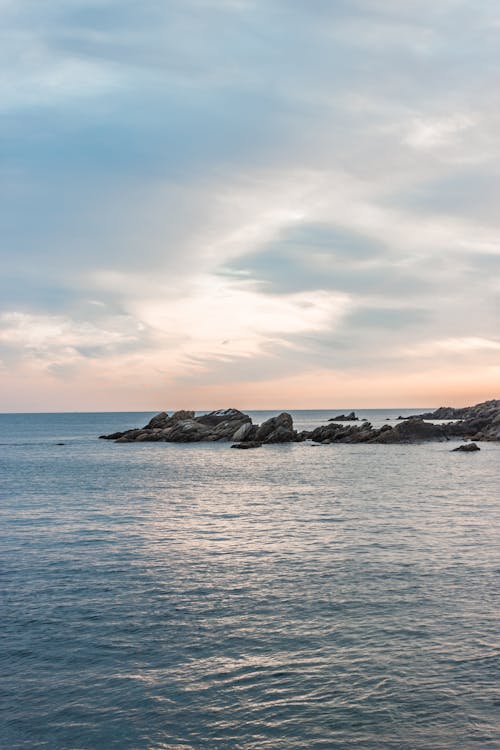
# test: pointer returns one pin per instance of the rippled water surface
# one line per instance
(164, 596)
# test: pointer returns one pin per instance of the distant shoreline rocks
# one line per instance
(479, 422)
(351, 417)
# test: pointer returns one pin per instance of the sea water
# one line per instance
(159, 596)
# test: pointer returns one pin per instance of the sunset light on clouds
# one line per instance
(270, 204)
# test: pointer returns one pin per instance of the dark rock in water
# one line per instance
(162, 421)
(351, 417)
(128, 436)
(467, 448)
(148, 436)
(410, 431)
(112, 436)
(303, 435)
(479, 422)
(158, 421)
(248, 444)
(281, 435)
(184, 427)
(214, 418)
(324, 432)
(339, 433)
(185, 431)
(227, 429)
(60, 443)
(245, 432)
(277, 430)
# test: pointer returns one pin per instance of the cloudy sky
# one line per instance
(252, 203)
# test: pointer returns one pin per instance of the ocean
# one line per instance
(194, 597)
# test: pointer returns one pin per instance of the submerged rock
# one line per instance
(249, 444)
(467, 448)
(351, 417)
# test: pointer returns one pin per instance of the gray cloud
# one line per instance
(329, 257)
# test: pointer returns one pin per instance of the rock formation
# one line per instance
(479, 422)
(184, 427)
(351, 417)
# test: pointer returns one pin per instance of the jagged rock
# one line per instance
(467, 448)
(214, 418)
(411, 431)
(162, 421)
(324, 432)
(248, 444)
(184, 427)
(277, 430)
(225, 430)
(338, 433)
(486, 409)
(479, 422)
(185, 431)
(128, 436)
(149, 436)
(159, 421)
(244, 432)
(281, 435)
(351, 417)
(304, 435)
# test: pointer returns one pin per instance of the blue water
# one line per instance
(159, 596)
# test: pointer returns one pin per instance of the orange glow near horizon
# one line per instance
(312, 390)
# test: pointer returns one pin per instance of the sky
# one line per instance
(249, 203)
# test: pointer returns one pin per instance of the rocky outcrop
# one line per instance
(224, 424)
(463, 412)
(246, 432)
(222, 416)
(184, 427)
(338, 433)
(412, 431)
(277, 430)
(480, 422)
(351, 417)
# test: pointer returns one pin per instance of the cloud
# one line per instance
(232, 190)
(436, 133)
(461, 346)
